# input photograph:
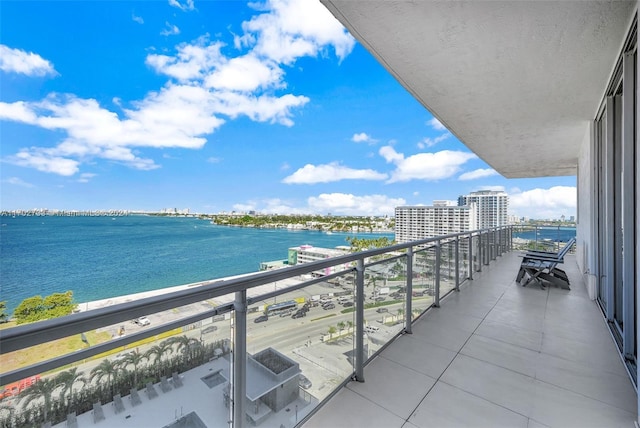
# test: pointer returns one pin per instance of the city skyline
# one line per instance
(222, 106)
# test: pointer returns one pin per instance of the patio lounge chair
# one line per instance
(164, 384)
(72, 420)
(177, 382)
(541, 266)
(151, 391)
(98, 413)
(118, 404)
(135, 397)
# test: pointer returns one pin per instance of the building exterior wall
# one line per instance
(419, 222)
(585, 224)
(491, 207)
(308, 254)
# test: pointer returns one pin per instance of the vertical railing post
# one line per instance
(239, 359)
(436, 301)
(359, 368)
(487, 249)
(409, 290)
(457, 264)
(470, 267)
(480, 254)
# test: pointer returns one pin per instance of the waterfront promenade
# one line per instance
(256, 291)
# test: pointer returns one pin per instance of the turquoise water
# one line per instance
(102, 257)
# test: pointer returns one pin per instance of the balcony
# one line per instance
(493, 354)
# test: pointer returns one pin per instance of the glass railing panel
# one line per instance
(149, 382)
(423, 292)
(447, 267)
(385, 287)
(463, 255)
(300, 348)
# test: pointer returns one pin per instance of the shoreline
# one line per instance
(261, 289)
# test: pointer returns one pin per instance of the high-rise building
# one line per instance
(491, 207)
(442, 218)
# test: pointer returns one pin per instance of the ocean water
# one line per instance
(102, 257)
(556, 234)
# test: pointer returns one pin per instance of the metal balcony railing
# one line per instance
(326, 319)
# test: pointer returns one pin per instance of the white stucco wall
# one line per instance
(586, 217)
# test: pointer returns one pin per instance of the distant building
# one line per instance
(309, 253)
(491, 207)
(419, 222)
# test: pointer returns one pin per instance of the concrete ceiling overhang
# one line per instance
(517, 81)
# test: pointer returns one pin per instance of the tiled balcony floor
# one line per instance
(495, 355)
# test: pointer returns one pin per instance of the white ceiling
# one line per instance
(516, 81)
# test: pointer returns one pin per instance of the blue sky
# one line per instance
(219, 106)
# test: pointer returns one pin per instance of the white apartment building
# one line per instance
(442, 218)
(309, 253)
(491, 207)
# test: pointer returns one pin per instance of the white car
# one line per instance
(142, 321)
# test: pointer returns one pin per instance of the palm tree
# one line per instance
(159, 351)
(133, 358)
(67, 379)
(341, 325)
(183, 344)
(42, 389)
(106, 368)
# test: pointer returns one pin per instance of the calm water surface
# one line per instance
(102, 257)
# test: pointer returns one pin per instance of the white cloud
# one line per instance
(424, 166)
(545, 203)
(430, 142)
(136, 18)
(43, 160)
(204, 87)
(170, 30)
(435, 124)
(362, 137)
(214, 159)
(22, 62)
(86, 177)
(285, 167)
(245, 73)
(295, 28)
(311, 174)
(478, 173)
(17, 182)
(348, 204)
(185, 5)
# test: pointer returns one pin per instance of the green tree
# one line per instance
(133, 358)
(332, 330)
(41, 390)
(59, 304)
(4, 316)
(37, 308)
(30, 309)
(183, 344)
(108, 369)
(66, 380)
(158, 351)
(341, 325)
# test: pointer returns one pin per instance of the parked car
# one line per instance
(299, 314)
(380, 298)
(382, 310)
(304, 381)
(209, 329)
(329, 306)
(142, 321)
(261, 318)
(371, 328)
(347, 304)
